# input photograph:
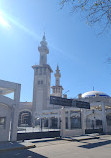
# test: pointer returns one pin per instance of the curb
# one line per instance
(87, 139)
(18, 148)
(72, 139)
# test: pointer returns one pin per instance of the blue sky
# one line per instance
(80, 53)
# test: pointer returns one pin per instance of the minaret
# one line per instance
(42, 79)
(57, 76)
(57, 89)
(43, 49)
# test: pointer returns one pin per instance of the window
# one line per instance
(40, 82)
(98, 122)
(108, 118)
(2, 122)
(57, 82)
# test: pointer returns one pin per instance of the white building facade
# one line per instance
(39, 112)
(42, 112)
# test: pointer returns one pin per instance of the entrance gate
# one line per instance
(70, 103)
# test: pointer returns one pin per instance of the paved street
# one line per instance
(52, 148)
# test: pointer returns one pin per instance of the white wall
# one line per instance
(5, 111)
(71, 133)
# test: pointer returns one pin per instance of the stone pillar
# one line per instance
(83, 120)
(69, 120)
(41, 124)
(49, 123)
(104, 117)
(63, 122)
(15, 114)
(58, 122)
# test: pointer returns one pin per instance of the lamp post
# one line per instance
(65, 93)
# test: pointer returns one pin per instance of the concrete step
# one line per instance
(84, 137)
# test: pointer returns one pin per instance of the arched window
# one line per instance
(24, 118)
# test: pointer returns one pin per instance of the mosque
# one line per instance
(41, 113)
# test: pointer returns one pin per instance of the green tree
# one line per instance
(94, 10)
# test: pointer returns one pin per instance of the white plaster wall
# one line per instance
(71, 133)
(25, 106)
(5, 111)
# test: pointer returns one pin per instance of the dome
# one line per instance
(94, 94)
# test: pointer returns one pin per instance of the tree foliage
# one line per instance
(95, 10)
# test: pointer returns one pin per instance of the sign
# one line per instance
(69, 102)
(80, 104)
(60, 101)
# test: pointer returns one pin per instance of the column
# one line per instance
(63, 122)
(58, 122)
(14, 121)
(104, 117)
(83, 120)
(40, 124)
(69, 120)
(49, 123)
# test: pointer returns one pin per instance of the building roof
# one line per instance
(94, 94)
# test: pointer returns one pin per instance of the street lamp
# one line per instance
(65, 94)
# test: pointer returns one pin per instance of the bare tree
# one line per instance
(95, 10)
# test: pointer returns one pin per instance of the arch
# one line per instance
(25, 109)
(108, 119)
(25, 118)
(7, 101)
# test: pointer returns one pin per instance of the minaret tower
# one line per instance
(43, 49)
(42, 79)
(57, 89)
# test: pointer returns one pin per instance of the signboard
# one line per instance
(69, 102)
(60, 101)
(80, 104)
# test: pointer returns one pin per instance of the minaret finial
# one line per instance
(43, 42)
(44, 37)
(57, 67)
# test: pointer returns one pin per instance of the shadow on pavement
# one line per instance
(45, 140)
(9, 146)
(94, 145)
(20, 154)
(17, 150)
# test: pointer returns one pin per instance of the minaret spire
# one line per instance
(57, 89)
(57, 67)
(57, 76)
(43, 49)
(44, 37)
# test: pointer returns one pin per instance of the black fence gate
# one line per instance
(38, 135)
